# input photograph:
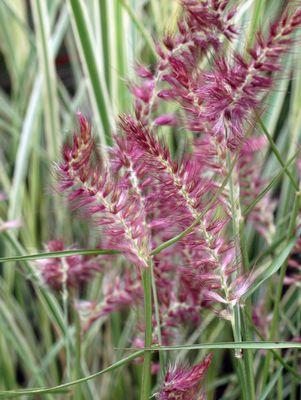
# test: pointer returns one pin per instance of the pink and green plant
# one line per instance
(175, 222)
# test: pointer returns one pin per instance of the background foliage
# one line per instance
(58, 57)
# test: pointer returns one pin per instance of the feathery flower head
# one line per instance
(181, 383)
(115, 208)
(201, 27)
(71, 271)
(204, 16)
(233, 90)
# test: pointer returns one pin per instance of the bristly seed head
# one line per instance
(182, 383)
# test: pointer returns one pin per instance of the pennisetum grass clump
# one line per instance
(176, 222)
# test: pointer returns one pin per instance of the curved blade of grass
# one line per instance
(279, 289)
(268, 389)
(252, 345)
(56, 254)
(272, 183)
(47, 67)
(24, 150)
(27, 128)
(97, 88)
(45, 297)
(272, 269)
(140, 27)
(271, 249)
(276, 152)
(276, 99)
(274, 352)
(15, 309)
(20, 21)
(18, 341)
(8, 111)
(36, 391)
(10, 40)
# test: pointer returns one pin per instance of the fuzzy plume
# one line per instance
(233, 90)
(184, 383)
(103, 195)
(201, 28)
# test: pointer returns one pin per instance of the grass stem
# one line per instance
(146, 370)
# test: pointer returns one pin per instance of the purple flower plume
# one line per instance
(232, 90)
(201, 28)
(187, 193)
(115, 208)
(181, 383)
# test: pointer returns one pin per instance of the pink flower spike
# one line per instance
(182, 383)
(233, 90)
(166, 119)
(111, 200)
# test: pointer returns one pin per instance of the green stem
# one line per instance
(56, 254)
(98, 90)
(140, 27)
(146, 371)
(65, 298)
(274, 352)
(77, 363)
(246, 334)
(236, 329)
(245, 361)
(162, 357)
(272, 183)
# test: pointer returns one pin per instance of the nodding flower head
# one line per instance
(201, 27)
(71, 271)
(233, 90)
(101, 193)
(182, 383)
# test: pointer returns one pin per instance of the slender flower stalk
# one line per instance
(148, 335)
